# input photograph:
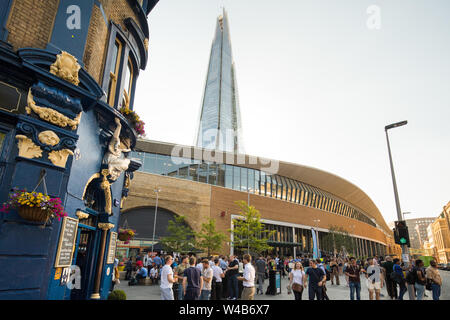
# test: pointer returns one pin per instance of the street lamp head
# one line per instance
(395, 125)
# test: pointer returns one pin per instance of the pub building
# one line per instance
(67, 68)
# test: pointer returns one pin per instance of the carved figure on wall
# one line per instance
(113, 157)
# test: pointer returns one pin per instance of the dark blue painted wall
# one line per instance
(71, 40)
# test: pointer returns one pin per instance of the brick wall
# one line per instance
(31, 23)
(200, 201)
(97, 42)
(96, 45)
(182, 197)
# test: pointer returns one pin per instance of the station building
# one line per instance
(293, 200)
(66, 69)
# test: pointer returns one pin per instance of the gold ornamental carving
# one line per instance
(105, 226)
(82, 215)
(106, 187)
(51, 115)
(49, 138)
(59, 158)
(66, 67)
(146, 44)
(27, 148)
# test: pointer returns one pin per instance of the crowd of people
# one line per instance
(231, 278)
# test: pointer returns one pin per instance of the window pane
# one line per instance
(129, 72)
(203, 173)
(237, 178)
(262, 183)
(281, 187)
(228, 176)
(193, 172)
(163, 164)
(269, 186)
(183, 172)
(251, 180)
(212, 172)
(150, 163)
(221, 175)
(244, 173)
(114, 56)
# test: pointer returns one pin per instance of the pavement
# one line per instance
(335, 292)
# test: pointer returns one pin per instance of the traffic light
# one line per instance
(401, 234)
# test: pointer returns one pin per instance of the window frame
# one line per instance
(128, 55)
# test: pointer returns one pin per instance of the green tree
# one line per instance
(338, 240)
(181, 238)
(248, 231)
(208, 239)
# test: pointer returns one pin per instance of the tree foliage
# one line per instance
(339, 240)
(248, 231)
(208, 239)
(181, 237)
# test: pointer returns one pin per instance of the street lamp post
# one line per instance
(157, 190)
(397, 201)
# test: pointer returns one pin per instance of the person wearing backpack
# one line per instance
(391, 287)
(411, 276)
(398, 277)
(316, 279)
(421, 279)
(435, 279)
(327, 275)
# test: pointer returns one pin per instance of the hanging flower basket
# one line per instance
(34, 206)
(126, 234)
(34, 214)
(134, 120)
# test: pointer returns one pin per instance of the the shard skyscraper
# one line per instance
(220, 116)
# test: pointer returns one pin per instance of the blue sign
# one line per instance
(316, 251)
(278, 281)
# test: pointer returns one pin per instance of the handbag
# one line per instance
(428, 284)
(297, 287)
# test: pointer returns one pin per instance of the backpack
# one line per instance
(328, 274)
(396, 277)
(133, 282)
(411, 276)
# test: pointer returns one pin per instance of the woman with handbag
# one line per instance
(434, 280)
(297, 281)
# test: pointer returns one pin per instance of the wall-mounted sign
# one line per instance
(112, 248)
(11, 98)
(66, 244)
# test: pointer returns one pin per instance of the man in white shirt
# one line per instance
(207, 276)
(218, 274)
(249, 279)
(167, 280)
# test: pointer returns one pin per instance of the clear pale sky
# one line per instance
(317, 87)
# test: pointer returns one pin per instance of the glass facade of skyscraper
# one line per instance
(220, 119)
